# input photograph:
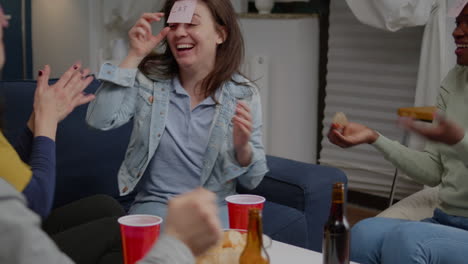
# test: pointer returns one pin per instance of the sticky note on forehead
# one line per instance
(182, 11)
(457, 8)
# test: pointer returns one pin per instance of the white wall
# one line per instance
(292, 49)
(60, 34)
(68, 30)
(371, 73)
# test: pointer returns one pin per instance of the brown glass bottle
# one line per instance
(335, 245)
(254, 252)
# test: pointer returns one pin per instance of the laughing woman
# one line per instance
(196, 120)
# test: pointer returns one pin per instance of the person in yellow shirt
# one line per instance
(12, 169)
(192, 228)
(28, 165)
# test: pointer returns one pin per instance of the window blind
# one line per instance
(371, 73)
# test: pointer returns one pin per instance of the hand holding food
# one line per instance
(340, 119)
(227, 251)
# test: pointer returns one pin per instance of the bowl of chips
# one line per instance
(229, 248)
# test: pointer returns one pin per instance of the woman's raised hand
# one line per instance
(242, 130)
(52, 103)
(142, 40)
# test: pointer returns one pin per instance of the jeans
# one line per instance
(433, 240)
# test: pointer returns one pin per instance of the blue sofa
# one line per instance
(297, 193)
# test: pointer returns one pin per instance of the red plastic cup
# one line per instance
(139, 233)
(238, 209)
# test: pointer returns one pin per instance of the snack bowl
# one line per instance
(229, 249)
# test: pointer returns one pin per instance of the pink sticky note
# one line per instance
(456, 9)
(182, 11)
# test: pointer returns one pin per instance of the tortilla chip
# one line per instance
(340, 119)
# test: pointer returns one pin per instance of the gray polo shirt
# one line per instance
(176, 165)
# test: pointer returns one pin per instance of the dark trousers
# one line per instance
(87, 230)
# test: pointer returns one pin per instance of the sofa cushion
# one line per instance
(289, 225)
(312, 192)
(415, 207)
(278, 190)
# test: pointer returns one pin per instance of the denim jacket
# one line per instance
(127, 94)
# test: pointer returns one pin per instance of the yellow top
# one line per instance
(12, 168)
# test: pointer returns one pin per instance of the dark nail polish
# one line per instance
(40, 73)
(75, 67)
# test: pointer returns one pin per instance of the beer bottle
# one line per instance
(254, 252)
(335, 245)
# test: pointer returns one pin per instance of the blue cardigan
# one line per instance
(39, 153)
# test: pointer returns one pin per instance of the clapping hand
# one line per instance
(52, 103)
(193, 219)
(242, 130)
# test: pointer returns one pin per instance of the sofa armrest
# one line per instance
(289, 182)
(284, 192)
(416, 207)
(306, 187)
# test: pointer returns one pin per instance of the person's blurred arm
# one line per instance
(192, 227)
(462, 148)
(169, 250)
(116, 98)
(39, 154)
(425, 167)
(443, 131)
(392, 15)
(52, 103)
(251, 163)
(41, 189)
(23, 144)
(22, 240)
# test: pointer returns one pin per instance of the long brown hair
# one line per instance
(229, 54)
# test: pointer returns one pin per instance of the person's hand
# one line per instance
(242, 130)
(142, 40)
(3, 19)
(351, 134)
(443, 131)
(52, 103)
(193, 219)
(3, 24)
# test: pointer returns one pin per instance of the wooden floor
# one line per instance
(356, 213)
